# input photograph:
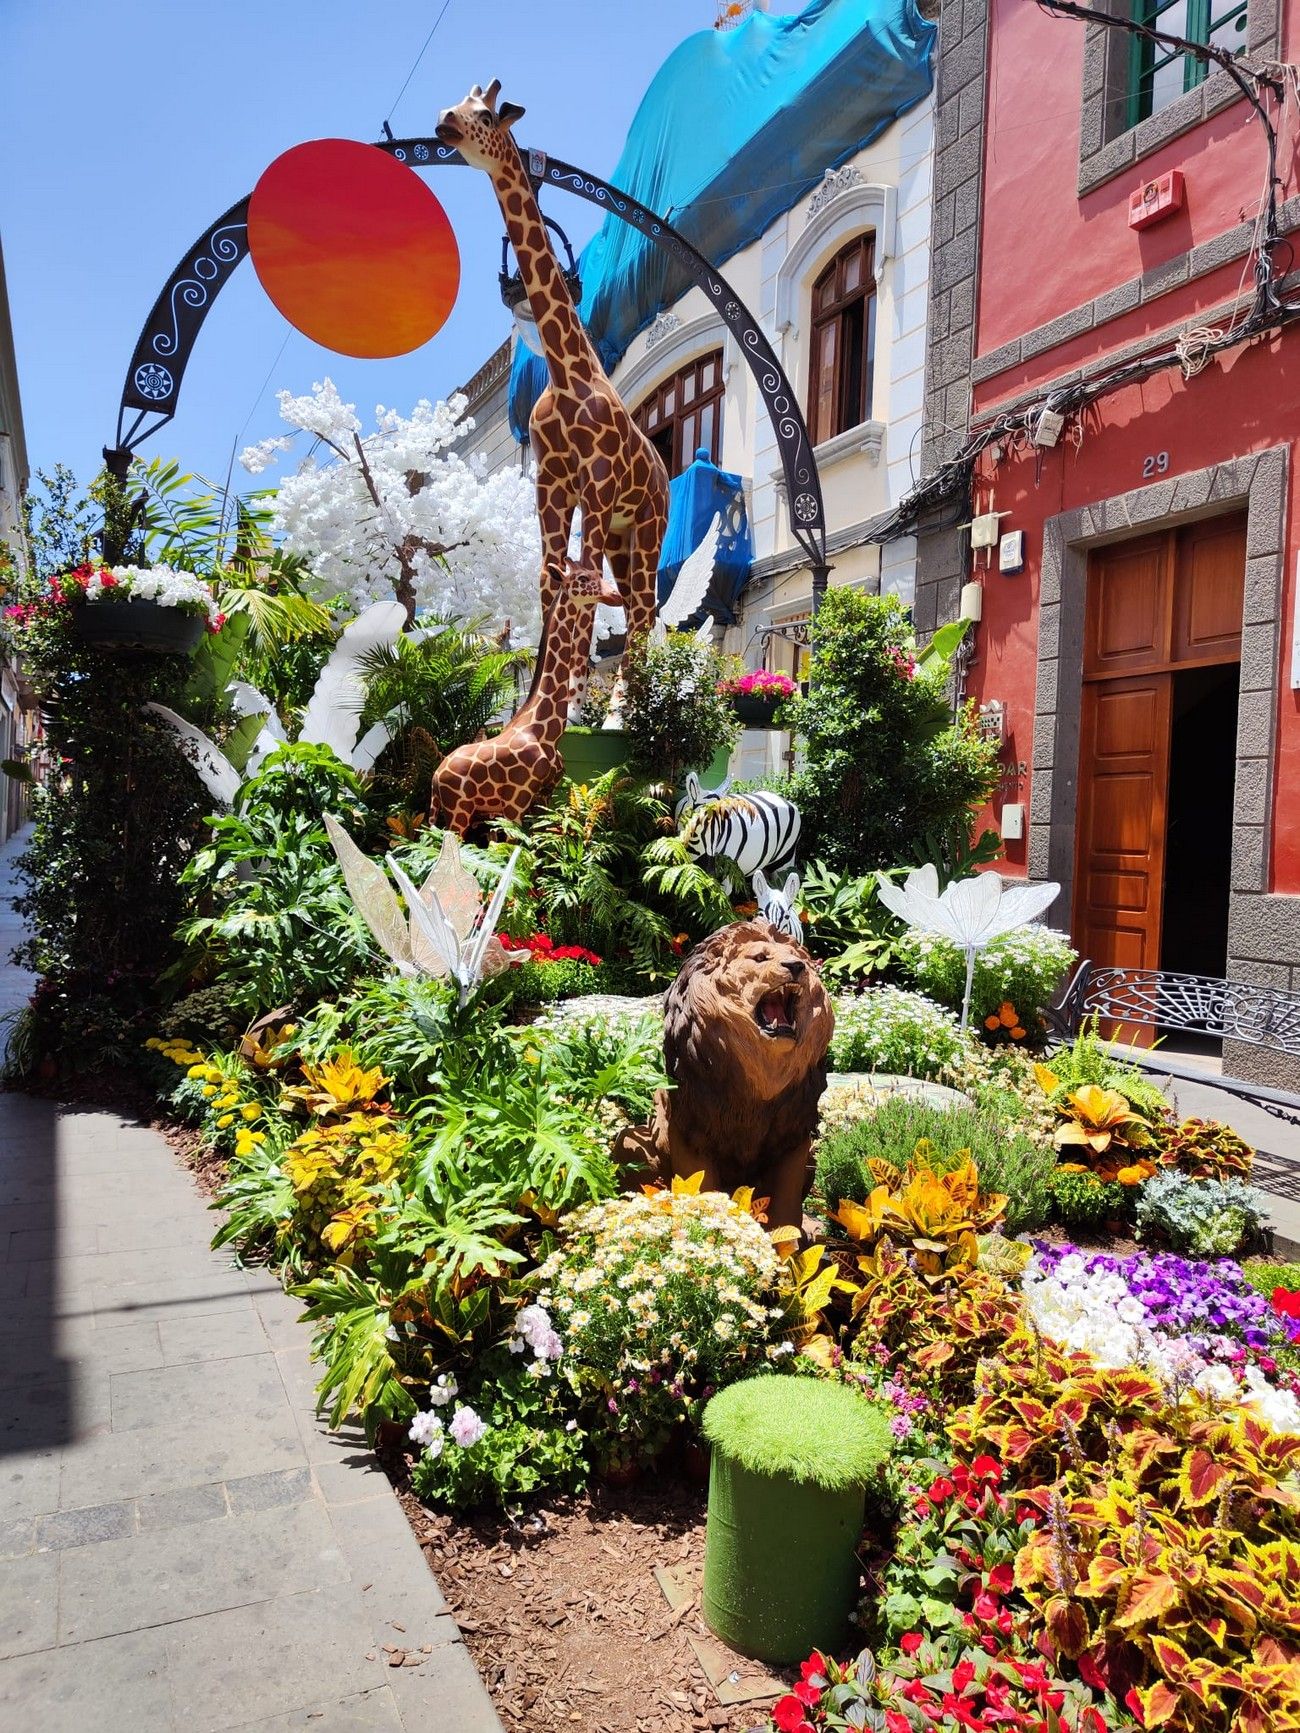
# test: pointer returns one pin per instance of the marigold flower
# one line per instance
(225, 1120)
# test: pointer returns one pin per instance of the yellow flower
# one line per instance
(154, 1043)
(244, 1144)
(532, 1056)
(197, 1071)
(250, 1110)
(209, 1090)
(225, 1120)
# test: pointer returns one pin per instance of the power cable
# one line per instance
(415, 66)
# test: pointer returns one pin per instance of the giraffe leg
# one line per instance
(555, 505)
(640, 585)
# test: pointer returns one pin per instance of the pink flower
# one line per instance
(466, 1428)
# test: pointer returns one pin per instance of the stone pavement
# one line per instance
(181, 1544)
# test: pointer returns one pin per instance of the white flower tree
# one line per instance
(398, 513)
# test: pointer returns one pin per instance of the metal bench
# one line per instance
(1196, 1004)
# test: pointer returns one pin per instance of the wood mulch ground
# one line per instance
(568, 1624)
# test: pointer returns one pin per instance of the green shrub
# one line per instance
(886, 1029)
(1265, 1277)
(546, 983)
(1206, 1217)
(676, 718)
(1081, 1200)
(885, 766)
(1006, 1160)
(1022, 969)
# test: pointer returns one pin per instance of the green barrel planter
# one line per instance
(792, 1458)
(590, 752)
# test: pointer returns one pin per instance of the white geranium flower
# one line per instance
(444, 1390)
(426, 1431)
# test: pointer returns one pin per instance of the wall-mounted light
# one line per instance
(514, 296)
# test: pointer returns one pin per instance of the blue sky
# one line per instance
(128, 125)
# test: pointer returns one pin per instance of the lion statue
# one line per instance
(746, 1026)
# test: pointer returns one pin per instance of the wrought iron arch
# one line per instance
(153, 381)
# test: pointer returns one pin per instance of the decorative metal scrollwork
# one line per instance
(1160, 998)
(154, 381)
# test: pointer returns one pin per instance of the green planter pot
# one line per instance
(138, 625)
(590, 752)
(792, 1458)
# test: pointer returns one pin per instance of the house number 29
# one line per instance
(1155, 463)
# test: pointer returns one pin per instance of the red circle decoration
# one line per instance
(353, 248)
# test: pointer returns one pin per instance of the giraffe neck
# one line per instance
(546, 710)
(567, 348)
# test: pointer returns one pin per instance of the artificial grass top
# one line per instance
(799, 1428)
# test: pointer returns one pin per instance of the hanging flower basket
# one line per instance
(757, 697)
(153, 609)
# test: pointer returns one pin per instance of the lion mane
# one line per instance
(747, 1024)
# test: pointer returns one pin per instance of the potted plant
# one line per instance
(676, 716)
(139, 608)
(756, 697)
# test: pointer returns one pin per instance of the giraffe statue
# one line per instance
(504, 776)
(589, 451)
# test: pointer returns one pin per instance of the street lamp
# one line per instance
(515, 296)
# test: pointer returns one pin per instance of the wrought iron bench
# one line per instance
(1198, 1004)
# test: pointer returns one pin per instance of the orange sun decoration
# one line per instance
(353, 248)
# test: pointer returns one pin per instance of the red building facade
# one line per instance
(1143, 655)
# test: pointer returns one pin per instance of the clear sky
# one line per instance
(127, 126)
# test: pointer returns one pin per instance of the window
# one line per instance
(843, 341)
(1159, 75)
(685, 412)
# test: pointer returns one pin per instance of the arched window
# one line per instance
(685, 412)
(843, 350)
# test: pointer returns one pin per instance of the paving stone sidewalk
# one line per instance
(181, 1544)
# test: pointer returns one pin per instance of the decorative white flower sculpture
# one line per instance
(446, 931)
(971, 912)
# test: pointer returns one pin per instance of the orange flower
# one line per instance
(1135, 1173)
(993, 1022)
(1007, 1014)
(1017, 1033)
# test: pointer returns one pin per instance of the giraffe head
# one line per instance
(480, 130)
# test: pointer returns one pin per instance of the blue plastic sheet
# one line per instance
(736, 127)
(695, 498)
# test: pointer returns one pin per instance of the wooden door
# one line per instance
(1155, 605)
(1124, 743)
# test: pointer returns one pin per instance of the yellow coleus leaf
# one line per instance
(1047, 1079)
(688, 1187)
(859, 1221)
(1150, 1596)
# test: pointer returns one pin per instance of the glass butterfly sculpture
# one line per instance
(446, 933)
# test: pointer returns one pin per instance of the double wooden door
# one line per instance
(1156, 607)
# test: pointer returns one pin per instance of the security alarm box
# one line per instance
(1011, 553)
(1156, 199)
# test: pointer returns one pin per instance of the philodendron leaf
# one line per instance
(943, 643)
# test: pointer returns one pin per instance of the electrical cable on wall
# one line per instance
(947, 490)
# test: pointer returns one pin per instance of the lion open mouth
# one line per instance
(775, 1012)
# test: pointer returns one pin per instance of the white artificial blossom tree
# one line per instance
(398, 512)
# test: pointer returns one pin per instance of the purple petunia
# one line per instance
(1182, 1297)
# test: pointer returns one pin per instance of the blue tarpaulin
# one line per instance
(695, 497)
(736, 127)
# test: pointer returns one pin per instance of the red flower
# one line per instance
(1133, 1703)
(911, 1642)
(808, 1694)
(962, 1674)
(813, 1670)
(1002, 1579)
(1090, 1672)
(941, 1489)
(1286, 1302)
(789, 1717)
(923, 1505)
(897, 1722)
(986, 1605)
(988, 1468)
(917, 1692)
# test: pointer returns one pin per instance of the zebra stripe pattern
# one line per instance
(754, 830)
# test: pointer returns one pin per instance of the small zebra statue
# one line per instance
(777, 906)
(753, 830)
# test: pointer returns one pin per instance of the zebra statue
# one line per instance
(752, 830)
(777, 906)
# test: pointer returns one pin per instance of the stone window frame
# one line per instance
(1107, 147)
(1263, 925)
